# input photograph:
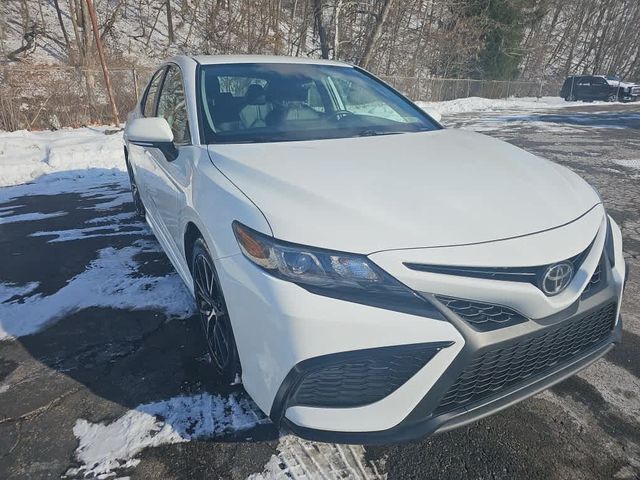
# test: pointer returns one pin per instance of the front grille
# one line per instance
(635, 91)
(533, 275)
(593, 284)
(362, 377)
(495, 371)
(483, 316)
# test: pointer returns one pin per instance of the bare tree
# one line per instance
(374, 38)
(318, 11)
(56, 4)
(170, 33)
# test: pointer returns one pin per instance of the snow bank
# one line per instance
(477, 104)
(25, 156)
(104, 448)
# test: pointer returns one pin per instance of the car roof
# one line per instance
(220, 59)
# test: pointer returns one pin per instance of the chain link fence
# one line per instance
(54, 97)
(442, 89)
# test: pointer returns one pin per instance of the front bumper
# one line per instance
(431, 414)
(287, 335)
(422, 422)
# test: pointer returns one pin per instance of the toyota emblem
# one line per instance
(556, 278)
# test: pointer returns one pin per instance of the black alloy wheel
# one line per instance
(213, 313)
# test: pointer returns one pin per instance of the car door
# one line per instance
(138, 157)
(169, 177)
(582, 88)
(599, 88)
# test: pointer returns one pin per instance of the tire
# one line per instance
(214, 315)
(135, 193)
(612, 98)
(570, 98)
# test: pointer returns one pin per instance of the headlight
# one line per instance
(345, 276)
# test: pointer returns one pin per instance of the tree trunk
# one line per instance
(169, 23)
(373, 39)
(322, 32)
(336, 34)
(64, 30)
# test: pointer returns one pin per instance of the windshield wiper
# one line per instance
(373, 133)
(367, 133)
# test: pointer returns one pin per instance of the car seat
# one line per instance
(255, 112)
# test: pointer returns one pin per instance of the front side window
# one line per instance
(273, 102)
(172, 106)
(150, 96)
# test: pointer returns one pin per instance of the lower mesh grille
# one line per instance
(498, 370)
(362, 379)
(483, 316)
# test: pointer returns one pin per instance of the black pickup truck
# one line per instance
(599, 87)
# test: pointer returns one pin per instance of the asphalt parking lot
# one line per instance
(114, 344)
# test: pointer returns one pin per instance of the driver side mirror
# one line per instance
(152, 132)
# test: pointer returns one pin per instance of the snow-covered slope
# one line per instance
(24, 156)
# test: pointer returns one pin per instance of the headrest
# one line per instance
(289, 91)
(255, 94)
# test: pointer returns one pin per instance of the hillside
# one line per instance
(504, 39)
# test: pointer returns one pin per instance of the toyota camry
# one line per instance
(370, 275)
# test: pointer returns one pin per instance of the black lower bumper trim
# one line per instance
(351, 379)
(411, 431)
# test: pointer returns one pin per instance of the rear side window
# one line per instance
(172, 106)
(150, 96)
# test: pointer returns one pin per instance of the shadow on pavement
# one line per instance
(592, 119)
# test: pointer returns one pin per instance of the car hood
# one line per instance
(617, 83)
(439, 188)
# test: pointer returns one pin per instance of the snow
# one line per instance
(27, 217)
(302, 459)
(632, 163)
(25, 156)
(478, 104)
(137, 229)
(89, 152)
(89, 162)
(104, 448)
(10, 290)
(112, 280)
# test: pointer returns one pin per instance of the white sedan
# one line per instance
(370, 275)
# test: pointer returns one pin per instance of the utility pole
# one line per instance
(105, 71)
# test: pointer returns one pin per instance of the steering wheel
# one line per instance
(340, 114)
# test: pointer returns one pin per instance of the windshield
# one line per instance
(273, 102)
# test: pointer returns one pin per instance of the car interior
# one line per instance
(245, 103)
(258, 103)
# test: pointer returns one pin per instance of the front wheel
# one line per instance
(213, 313)
(570, 98)
(612, 98)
